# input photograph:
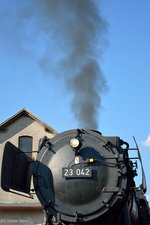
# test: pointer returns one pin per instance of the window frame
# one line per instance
(26, 136)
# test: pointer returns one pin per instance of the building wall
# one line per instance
(23, 126)
(21, 217)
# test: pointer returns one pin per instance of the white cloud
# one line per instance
(148, 198)
(147, 142)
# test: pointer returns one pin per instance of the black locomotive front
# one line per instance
(79, 177)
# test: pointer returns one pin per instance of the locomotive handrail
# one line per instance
(143, 186)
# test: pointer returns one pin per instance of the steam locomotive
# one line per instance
(80, 177)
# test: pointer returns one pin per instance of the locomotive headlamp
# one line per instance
(74, 142)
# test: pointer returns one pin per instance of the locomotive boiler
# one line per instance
(80, 177)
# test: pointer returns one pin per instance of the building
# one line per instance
(23, 130)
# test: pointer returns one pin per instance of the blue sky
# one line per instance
(125, 63)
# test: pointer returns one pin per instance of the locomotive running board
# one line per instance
(17, 169)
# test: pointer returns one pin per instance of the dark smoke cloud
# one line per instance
(72, 35)
(79, 29)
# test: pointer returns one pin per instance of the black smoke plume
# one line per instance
(72, 37)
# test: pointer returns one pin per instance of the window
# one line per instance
(25, 144)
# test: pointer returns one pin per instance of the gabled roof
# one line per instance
(25, 112)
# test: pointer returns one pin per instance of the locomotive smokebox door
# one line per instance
(17, 170)
(79, 176)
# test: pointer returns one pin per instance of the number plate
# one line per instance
(76, 172)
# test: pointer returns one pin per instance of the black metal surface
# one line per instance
(17, 169)
(92, 197)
